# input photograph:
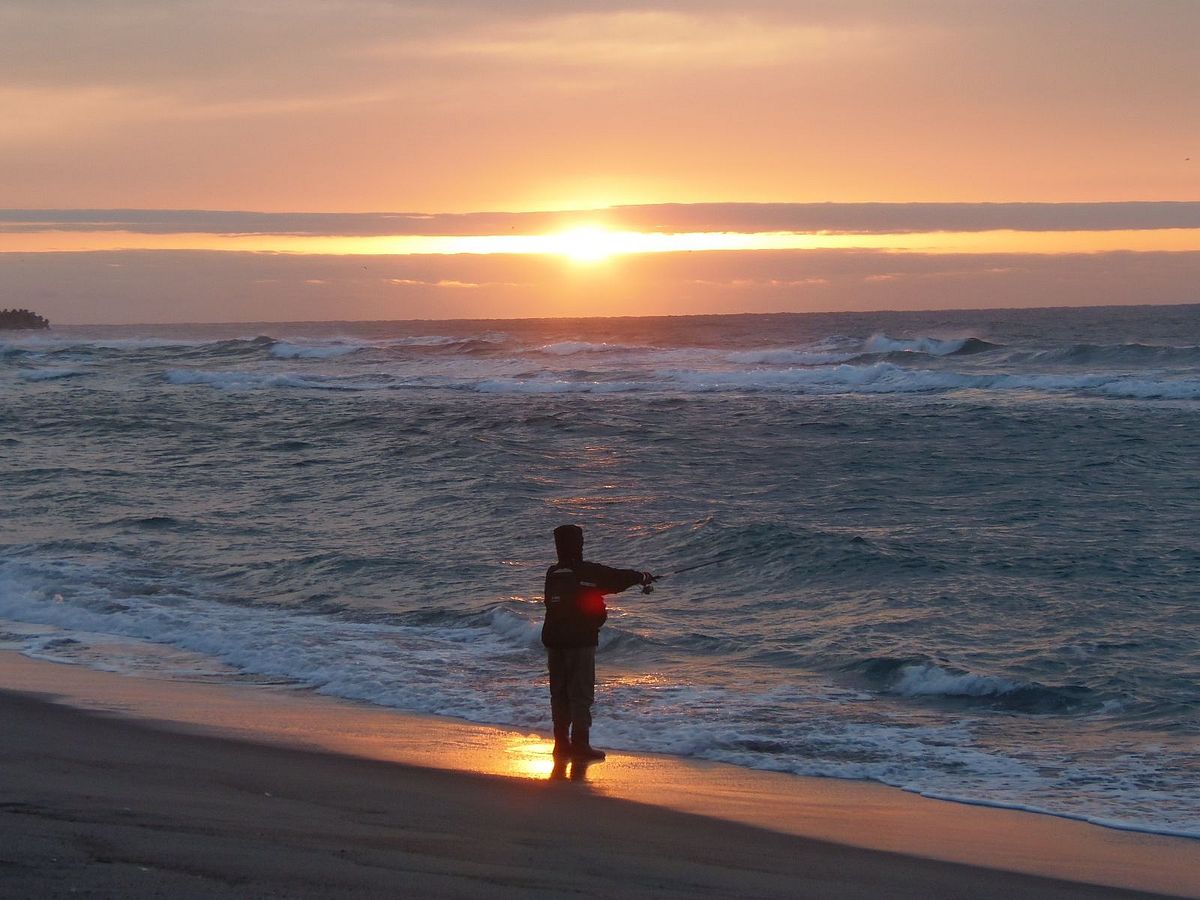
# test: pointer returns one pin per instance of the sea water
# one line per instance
(954, 552)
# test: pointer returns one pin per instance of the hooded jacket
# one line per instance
(575, 591)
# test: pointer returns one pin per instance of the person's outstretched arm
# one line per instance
(613, 581)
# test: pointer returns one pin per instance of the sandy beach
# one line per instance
(180, 803)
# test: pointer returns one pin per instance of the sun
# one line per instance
(586, 244)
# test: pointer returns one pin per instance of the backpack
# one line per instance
(574, 614)
(562, 592)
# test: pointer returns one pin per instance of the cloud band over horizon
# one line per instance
(743, 218)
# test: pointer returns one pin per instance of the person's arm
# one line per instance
(613, 581)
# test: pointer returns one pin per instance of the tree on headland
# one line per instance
(22, 318)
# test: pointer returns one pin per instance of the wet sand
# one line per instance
(142, 788)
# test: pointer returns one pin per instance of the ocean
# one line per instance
(953, 552)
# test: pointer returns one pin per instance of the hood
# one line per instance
(568, 541)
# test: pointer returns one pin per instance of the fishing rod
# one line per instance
(646, 589)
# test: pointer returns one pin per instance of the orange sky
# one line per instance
(437, 108)
(367, 105)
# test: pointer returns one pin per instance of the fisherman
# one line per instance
(575, 611)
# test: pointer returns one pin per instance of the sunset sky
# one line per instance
(555, 158)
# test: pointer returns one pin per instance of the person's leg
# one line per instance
(582, 691)
(560, 702)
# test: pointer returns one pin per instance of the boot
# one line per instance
(562, 743)
(581, 747)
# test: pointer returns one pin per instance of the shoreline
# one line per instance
(888, 826)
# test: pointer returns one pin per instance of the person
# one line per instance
(575, 611)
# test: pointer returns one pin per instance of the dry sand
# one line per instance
(105, 806)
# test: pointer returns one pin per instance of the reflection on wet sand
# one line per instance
(570, 769)
(529, 756)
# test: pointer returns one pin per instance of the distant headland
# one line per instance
(22, 318)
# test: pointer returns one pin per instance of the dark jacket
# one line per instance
(575, 601)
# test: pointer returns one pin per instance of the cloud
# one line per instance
(177, 60)
(29, 115)
(899, 218)
(659, 38)
(367, 104)
(268, 48)
(362, 104)
(448, 283)
(847, 218)
(40, 114)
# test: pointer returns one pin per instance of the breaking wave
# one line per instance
(930, 346)
(789, 357)
(570, 348)
(51, 374)
(516, 363)
(1125, 355)
(266, 380)
(878, 378)
(284, 350)
(925, 679)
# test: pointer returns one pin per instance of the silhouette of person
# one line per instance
(575, 611)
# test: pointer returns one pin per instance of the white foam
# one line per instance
(419, 340)
(843, 378)
(570, 348)
(234, 380)
(783, 356)
(284, 350)
(400, 666)
(875, 378)
(66, 341)
(522, 386)
(926, 679)
(888, 378)
(518, 631)
(1118, 824)
(1150, 389)
(51, 374)
(422, 340)
(881, 343)
(121, 655)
